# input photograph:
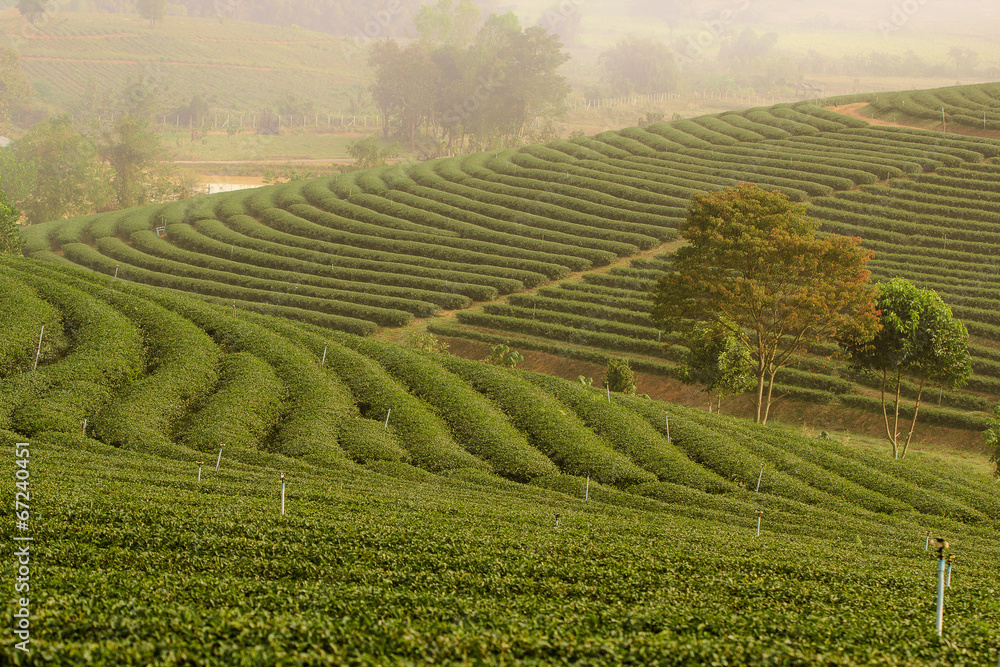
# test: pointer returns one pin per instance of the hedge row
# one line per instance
(585, 322)
(247, 231)
(284, 221)
(25, 316)
(474, 422)
(372, 227)
(562, 437)
(352, 317)
(545, 204)
(440, 292)
(566, 334)
(368, 291)
(105, 355)
(637, 439)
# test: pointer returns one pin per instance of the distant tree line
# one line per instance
(457, 86)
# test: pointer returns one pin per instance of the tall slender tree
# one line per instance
(918, 339)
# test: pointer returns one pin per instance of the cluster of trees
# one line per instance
(755, 285)
(454, 84)
(58, 169)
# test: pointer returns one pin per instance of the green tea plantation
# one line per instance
(199, 484)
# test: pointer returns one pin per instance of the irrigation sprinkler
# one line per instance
(666, 419)
(282, 494)
(759, 477)
(219, 460)
(941, 546)
(234, 309)
(116, 271)
(759, 514)
(927, 544)
(586, 494)
(39, 350)
(557, 520)
(385, 426)
(323, 363)
(951, 560)
(199, 470)
(609, 393)
(84, 434)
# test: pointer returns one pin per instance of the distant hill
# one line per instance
(231, 64)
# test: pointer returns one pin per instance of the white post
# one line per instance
(39, 350)
(759, 478)
(199, 470)
(84, 426)
(609, 393)
(116, 271)
(234, 309)
(927, 543)
(219, 460)
(759, 513)
(557, 520)
(940, 594)
(586, 495)
(666, 418)
(386, 425)
(282, 494)
(951, 559)
(323, 363)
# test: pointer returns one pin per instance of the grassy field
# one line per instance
(441, 510)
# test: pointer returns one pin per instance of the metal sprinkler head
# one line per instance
(759, 512)
(951, 558)
(282, 477)
(941, 546)
(200, 463)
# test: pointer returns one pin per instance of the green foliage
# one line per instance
(718, 363)
(501, 355)
(992, 437)
(755, 269)
(10, 235)
(916, 337)
(619, 377)
(639, 66)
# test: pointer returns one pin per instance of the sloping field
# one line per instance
(379, 248)
(974, 107)
(440, 509)
(183, 57)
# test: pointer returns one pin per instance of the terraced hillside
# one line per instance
(247, 67)
(440, 509)
(974, 107)
(506, 229)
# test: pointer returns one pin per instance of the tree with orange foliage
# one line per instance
(755, 269)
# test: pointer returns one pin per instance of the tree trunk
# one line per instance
(760, 393)
(895, 422)
(770, 388)
(885, 413)
(916, 410)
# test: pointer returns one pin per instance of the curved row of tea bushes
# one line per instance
(439, 292)
(562, 437)
(256, 236)
(638, 440)
(421, 303)
(473, 421)
(25, 318)
(105, 354)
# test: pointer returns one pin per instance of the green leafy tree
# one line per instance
(639, 65)
(10, 237)
(54, 172)
(447, 23)
(619, 376)
(14, 88)
(370, 153)
(405, 85)
(919, 339)
(755, 269)
(134, 153)
(152, 10)
(992, 437)
(718, 362)
(31, 9)
(512, 78)
(502, 355)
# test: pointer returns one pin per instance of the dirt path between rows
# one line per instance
(854, 111)
(419, 325)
